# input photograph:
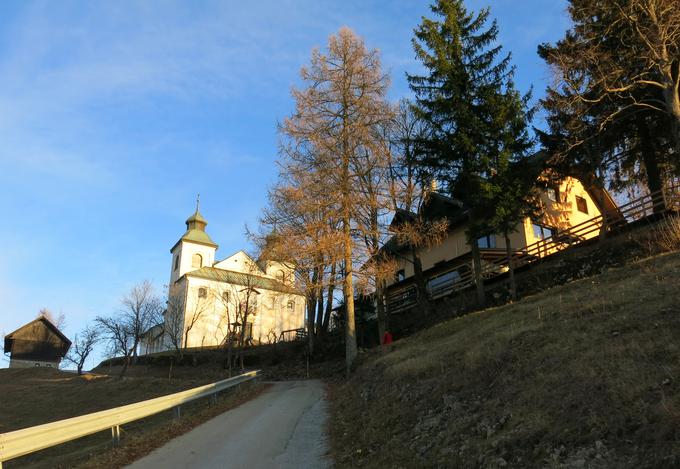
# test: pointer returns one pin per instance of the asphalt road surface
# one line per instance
(281, 428)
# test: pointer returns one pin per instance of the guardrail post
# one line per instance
(214, 399)
(115, 435)
(178, 412)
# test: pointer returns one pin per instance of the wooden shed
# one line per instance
(38, 343)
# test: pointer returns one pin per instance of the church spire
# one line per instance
(196, 221)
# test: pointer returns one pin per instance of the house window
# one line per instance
(291, 305)
(542, 232)
(401, 275)
(443, 282)
(581, 205)
(176, 262)
(225, 296)
(197, 261)
(281, 276)
(487, 242)
(202, 292)
(554, 194)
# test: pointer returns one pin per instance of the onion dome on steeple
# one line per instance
(196, 229)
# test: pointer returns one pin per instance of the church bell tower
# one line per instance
(194, 250)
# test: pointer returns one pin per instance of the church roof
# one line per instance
(240, 278)
(196, 217)
(198, 236)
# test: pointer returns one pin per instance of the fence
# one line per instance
(293, 335)
(32, 439)
(496, 262)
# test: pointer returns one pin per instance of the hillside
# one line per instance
(35, 396)
(582, 375)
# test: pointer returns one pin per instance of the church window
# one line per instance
(176, 262)
(202, 292)
(197, 261)
(281, 276)
(291, 305)
(225, 296)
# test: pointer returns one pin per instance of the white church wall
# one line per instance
(272, 314)
(240, 262)
(185, 251)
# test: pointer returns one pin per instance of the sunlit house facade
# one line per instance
(564, 206)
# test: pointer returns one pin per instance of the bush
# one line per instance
(668, 233)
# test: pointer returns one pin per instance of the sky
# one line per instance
(115, 115)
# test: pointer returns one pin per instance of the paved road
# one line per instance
(281, 428)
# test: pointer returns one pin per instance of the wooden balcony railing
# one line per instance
(462, 275)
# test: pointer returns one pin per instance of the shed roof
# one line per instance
(9, 338)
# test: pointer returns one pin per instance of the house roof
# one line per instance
(240, 278)
(9, 338)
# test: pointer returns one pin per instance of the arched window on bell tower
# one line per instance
(197, 261)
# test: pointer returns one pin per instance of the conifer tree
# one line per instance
(615, 104)
(333, 127)
(476, 118)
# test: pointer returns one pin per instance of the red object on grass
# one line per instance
(387, 338)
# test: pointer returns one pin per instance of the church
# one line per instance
(209, 299)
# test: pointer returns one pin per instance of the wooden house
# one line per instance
(38, 343)
(447, 266)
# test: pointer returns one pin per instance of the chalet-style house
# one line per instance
(206, 297)
(38, 343)
(564, 206)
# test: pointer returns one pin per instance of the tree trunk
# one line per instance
(380, 308)
(477, 271)
(421, 286)
(511, 267)
(311, 309)
(671, 96)
(650, 160)
(319, 312)
(351, 350)
(329, 299)
(244, 327)
(126, 363)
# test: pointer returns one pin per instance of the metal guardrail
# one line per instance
(32, 439)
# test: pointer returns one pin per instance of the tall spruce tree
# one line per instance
(476, 119)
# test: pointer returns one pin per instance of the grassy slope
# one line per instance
(33, 396)
(582, 375)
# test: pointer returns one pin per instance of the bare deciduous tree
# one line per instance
(179, 321)
(141, 310)
(59, 320)
(82, 347)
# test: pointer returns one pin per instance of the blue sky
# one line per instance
(113, 115)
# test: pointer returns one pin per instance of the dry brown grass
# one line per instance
(583, 375)
(668, 233)
(31, 397)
